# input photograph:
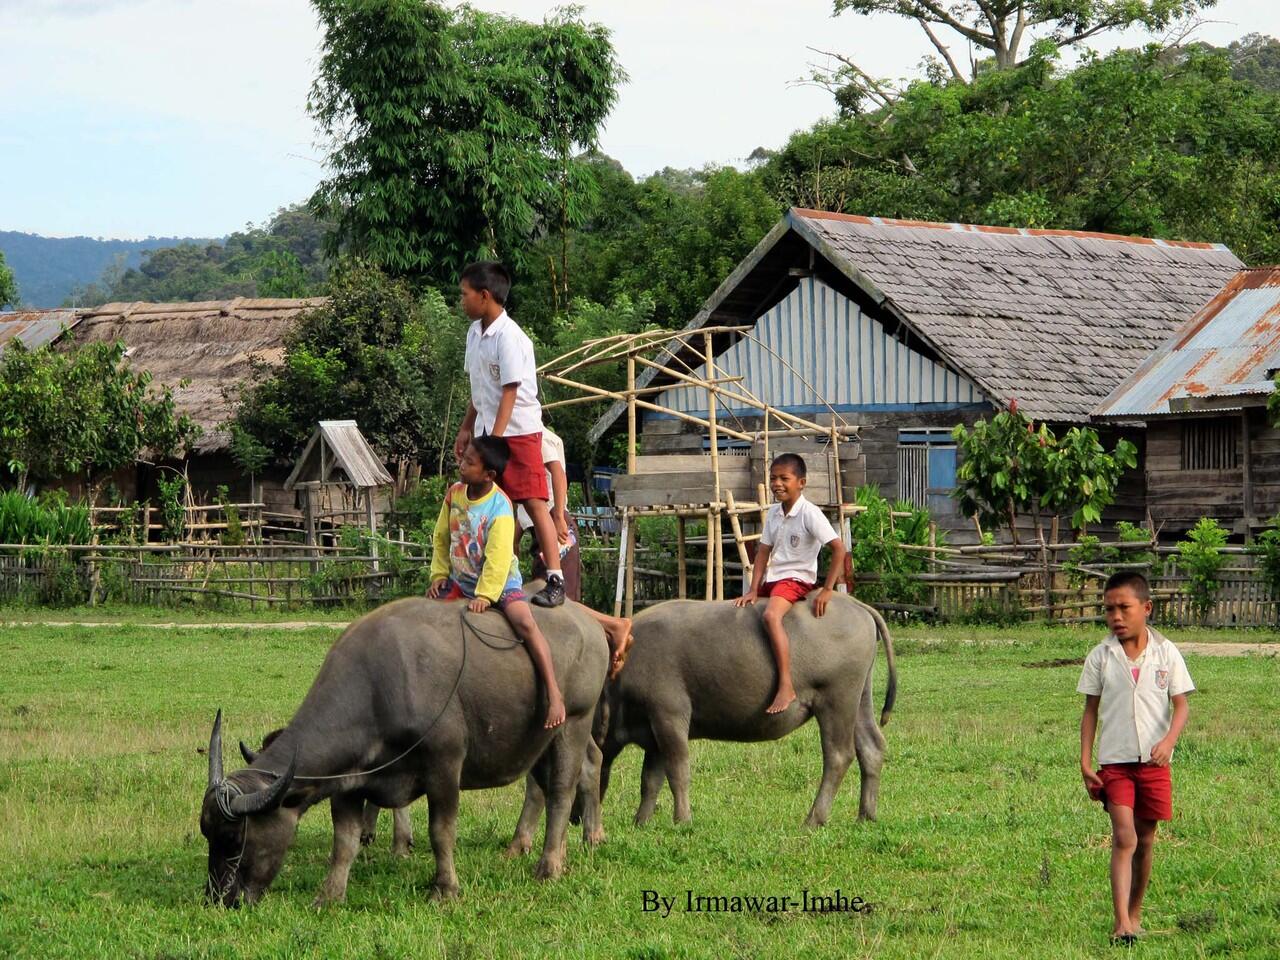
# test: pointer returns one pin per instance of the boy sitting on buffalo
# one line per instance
(786, 567)
(475, 557)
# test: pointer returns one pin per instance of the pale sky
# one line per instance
(134, 118)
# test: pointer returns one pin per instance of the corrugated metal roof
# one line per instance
(1228, 349)
(351, 453)
(35, 328)
(1052, 318)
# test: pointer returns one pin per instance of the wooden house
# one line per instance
(1211, 447)
(908, 328)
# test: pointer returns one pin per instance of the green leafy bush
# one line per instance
(878, 539)
(1201, 558)
(172, 511)
(1267, 550)
(48, 519)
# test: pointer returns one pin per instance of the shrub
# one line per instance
(1267, 550)
(1201, 557)
(878, 539)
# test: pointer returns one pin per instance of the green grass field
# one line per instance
(986, 845)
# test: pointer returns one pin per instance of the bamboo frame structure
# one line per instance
(721, 509)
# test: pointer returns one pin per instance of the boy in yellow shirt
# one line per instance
(475, 557)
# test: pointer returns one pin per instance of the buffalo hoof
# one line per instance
(518, 847)
(324, 899)
(441, 892)
(402, 849)
(595, 837)
(367, 838)
(549, 868)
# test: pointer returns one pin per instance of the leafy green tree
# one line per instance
(8, 285)
(82, 412)
(1201, 558)
(452, 130)
(1002, 26)
(1009, 466)
(367, 355)
(669, 239)
(1129, 143)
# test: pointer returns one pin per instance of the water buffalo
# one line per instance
(704, 670)
(417, 697)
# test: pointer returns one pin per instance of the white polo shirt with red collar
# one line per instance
(795, 538)
(496, 356)
(1135, 714)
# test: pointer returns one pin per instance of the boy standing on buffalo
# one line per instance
(786, 567)
(475, 560)
(1137, 682)
(504, 403)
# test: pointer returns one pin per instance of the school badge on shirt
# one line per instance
(495, 371)
(1162, 679)
(795, 540)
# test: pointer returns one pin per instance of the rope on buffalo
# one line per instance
(468, 626)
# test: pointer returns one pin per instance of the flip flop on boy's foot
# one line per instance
(1123, 939)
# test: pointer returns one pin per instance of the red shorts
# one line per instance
(790, 589)
(526, 476)
(1144, 787)
(455, 593)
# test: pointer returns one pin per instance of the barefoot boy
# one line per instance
(786, 566)
(504, 403)
(1137, 682)
(617, 630)
(474, 559)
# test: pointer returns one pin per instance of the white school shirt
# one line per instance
(1135, 715)
(794, 540)
(552, 452)
(497, 356)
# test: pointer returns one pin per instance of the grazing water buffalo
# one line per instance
(704, 670)
(417, 697)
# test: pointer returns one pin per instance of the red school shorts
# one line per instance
(1146, 788)
(526, 476)
(791, 590)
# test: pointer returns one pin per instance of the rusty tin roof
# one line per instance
(1228, 352)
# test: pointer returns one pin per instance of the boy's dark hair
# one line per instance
(494, 452)
(792, 460)
(1132, 579)
(488, 275)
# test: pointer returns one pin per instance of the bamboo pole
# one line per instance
(682, 584)
(646, 405)
(711, 560)
(631, 567)
(631, 414)
(739, 540)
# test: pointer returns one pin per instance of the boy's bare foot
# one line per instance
(555, 712)
(619, 636)
(783, 700)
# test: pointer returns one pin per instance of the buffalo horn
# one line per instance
(215, 752)
(249, 755)
(268, 798)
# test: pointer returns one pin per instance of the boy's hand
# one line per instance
(460, 444)
(436, 588)
(821, 600)
(1092, 783)
(478, 605)
(1162, 753)
(562, 525)
(746, 600)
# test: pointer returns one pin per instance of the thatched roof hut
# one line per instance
(209, 344)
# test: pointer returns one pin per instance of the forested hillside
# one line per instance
(50, 269)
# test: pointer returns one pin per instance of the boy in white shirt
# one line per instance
(617, 630)
(786, 567)
(504, 403)
(1137, 681)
